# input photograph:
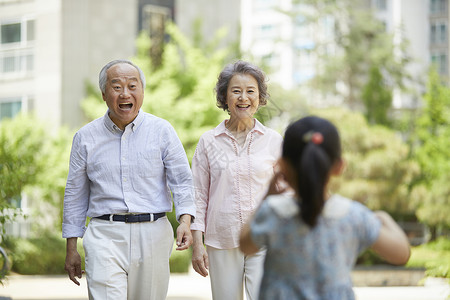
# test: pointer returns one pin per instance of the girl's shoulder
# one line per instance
(284, 206)
(337, 207)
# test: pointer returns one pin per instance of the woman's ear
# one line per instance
(338, 167)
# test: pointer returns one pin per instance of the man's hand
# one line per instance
(184, 235)
(200, 261)
(73, 260)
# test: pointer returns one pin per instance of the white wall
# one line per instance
(215, 14)
(94, 33)
(47, 62)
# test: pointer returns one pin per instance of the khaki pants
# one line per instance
(230, 270)
(128, 260)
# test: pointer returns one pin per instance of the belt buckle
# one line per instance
(152, 217)
(126, 218)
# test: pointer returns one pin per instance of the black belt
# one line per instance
(132, 218)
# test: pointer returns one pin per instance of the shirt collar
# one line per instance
(114, 128)
(221, 129)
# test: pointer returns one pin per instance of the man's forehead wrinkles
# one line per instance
(123, 78)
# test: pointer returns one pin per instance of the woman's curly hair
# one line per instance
(240, 67)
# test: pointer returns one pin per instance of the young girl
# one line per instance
(314, 238)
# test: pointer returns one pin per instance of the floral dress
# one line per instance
(305, 263)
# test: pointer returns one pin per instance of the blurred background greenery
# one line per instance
(398, 161)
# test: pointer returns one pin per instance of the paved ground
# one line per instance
(194, 287)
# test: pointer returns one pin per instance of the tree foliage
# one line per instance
(377, 98)
(359, 44)
(31, 164)
(378, 169)
(21, 146)
(432, 152)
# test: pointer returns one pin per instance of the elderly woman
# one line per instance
(232, 167)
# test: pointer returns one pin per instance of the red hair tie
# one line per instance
(315, 137)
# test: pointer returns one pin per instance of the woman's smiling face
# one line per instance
(242, 96)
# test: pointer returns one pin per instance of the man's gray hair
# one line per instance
(103, 77)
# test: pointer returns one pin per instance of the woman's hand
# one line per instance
(278, 184)
(200, 261)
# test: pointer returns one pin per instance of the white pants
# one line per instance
(128, 260)
(229, 269)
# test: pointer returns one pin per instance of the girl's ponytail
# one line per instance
(311, 145)
(312, 177)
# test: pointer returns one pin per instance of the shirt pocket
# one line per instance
(149, 164)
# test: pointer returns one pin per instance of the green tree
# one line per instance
(432, 140)
(21, 159)
(378, 170)
(377, 98)
(358, 43)
(31, 164)
(51, 182)
(180, 90)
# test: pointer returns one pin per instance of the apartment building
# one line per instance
(439, 36)
(282, 43)
(49, 49)
(408, 21)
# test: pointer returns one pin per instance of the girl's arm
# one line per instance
(246, 243)
(392, 243)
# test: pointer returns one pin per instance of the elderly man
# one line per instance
(125, 167)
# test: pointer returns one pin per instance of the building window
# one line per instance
(438, 6)
(438, 33)
(10, 107)
(16, 48)
(443, 33)
(10, 33)
(441, 63)
(380, 5)
(17, 32)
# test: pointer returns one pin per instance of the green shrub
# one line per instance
(180, 261)
(44, 255)
(36, 256)
(434, 256)
(370, 258)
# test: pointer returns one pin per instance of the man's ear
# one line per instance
(338, 167)
(103, 96)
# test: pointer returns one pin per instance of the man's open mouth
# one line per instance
(243, 106)
(126, 105)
